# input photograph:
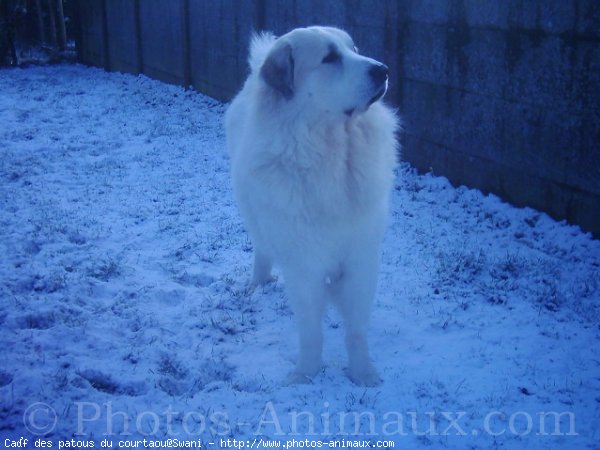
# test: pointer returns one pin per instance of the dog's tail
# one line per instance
(260, 45)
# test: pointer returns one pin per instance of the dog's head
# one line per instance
(320, 67)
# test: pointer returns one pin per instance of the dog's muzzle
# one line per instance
(379, 78)
(379, 75)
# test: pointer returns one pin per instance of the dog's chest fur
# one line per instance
(335, 181)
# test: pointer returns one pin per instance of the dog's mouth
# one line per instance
(380, 93)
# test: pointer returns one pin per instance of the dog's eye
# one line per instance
(332, 57)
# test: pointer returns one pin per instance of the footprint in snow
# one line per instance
(37, 321)
(104, 383)
(172, 298)
(5, 378)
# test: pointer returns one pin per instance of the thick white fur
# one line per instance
(312, 175)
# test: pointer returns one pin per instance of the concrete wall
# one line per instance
(91, 35)
(503, 95)
(163, 28)
(122, 36)
(219, 36)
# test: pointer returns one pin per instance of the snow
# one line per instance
(125, 314)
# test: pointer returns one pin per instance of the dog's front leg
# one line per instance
(308, 303)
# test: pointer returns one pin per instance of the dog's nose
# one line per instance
(379, 73)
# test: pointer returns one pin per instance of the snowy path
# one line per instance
(123, 263)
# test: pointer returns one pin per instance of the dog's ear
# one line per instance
(278, 70)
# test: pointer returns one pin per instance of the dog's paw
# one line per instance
(254, 284)
(364, 376)
(258, 281)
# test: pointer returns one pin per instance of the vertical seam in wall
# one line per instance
(185, 19)
(260, 15)
(138, 36)
(78, 31)
(105, 49)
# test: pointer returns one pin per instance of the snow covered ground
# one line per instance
(124, 311)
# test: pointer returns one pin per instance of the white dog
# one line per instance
(312, 157)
